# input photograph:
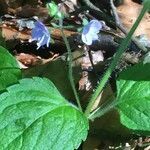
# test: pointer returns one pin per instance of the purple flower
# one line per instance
(40, 34)
(90, 31)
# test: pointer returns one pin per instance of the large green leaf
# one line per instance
(134, 97)
(34, 116)
(9, 69)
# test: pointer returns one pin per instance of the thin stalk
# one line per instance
(91, 5)
(70, 71)
(114, 62)
(114, 11)
(102, 110)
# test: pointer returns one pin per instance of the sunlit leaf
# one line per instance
(35, 116)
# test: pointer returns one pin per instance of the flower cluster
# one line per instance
(40, 34)
(90, 31)
(89, 34)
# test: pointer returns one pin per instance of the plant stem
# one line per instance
(91, 5)
(114, 62)
(114, 11)
(102, 110)
(105, 17)
(70, 71)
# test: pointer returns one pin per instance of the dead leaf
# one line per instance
(29, 11)
(97, 57)
(28, 59)
(129, 12)
(10, 33)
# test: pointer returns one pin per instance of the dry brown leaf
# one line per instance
(29, 11)
(97, 57)
(28, 59)
(10, 33)
(129, 12)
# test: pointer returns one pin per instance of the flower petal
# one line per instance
(90, 31)
(40, 34)
(87, 39)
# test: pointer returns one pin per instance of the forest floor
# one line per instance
(16, 25)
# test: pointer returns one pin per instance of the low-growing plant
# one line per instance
(34, 115)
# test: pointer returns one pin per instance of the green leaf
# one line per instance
(52, 7)
(34, 116)
(9, 69)
(139, 72)
(147, 4)
(134, 97)
(53, 10)
(84, 21)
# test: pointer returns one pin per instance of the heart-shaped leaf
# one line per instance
(34, 116)
(134, 97)
(9, 69)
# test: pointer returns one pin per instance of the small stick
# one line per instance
(114, 11)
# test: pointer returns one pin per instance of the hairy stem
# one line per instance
(114, 62)
(91, 5)
(70, 71)
(102, 110)
(107, 18)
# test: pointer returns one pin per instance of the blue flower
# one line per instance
(90, 32)
(40, 34)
